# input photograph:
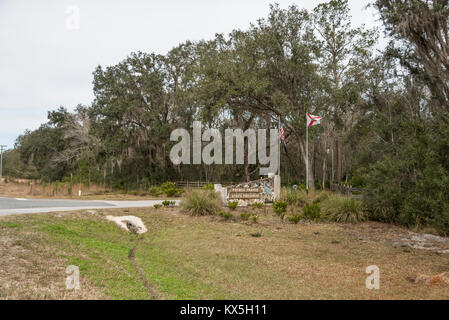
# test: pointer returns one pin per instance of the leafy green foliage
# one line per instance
(312, 211)
(155, 191)
(294, 219)
(170, 190)
(168, 203)
(233, 205)
(279, 207)
(226, 215)
(393, 125)
(209, 186)
(245, 215)
(258, 205)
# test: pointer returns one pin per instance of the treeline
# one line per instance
(386, 113)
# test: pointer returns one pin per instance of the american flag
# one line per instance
(281, 129)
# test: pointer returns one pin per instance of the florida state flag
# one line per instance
(313, 120)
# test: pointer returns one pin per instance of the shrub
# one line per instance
(119, 184)
(245, 215)
(157, 206)
(167, 185)
(167, 203)
(279, 207)
(170, 190)
(258, 205)
(322, 197)
(173, 192)
(294, 219)
(200, 203)
(233, 205)
(208, 186)
(155, 191)
(312, 211)
(343, 209)
(294, 197)
(224, 214)
(255, 218)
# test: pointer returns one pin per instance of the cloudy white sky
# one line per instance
(46, 63)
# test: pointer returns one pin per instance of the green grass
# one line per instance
(201, 203)
(10, 225)
(343, 209)
(92, 246)
(101, 251)
(292, 197)
(204, 257)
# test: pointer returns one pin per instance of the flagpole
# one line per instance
(307, 156)
(279, 148)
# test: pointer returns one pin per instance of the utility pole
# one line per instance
(1, 161)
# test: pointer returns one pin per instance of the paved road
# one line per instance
(21, 205)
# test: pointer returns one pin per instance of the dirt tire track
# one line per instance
(132, 259)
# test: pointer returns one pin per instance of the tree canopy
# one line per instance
(385, 111)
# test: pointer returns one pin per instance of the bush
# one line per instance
(200, 203)
(119, 184)
(208, 186)
(279, 207)
(343, 209)
(245, 215)
(255, 218)
(170, 190)
(258, 205)
(312, 211)
(157, 206)
(322, 197)
(294, 219)
(155, 191)
(225, 215)
(173, 192)
(167, 185)
(167, 203)
(294, 197)
(233, 205)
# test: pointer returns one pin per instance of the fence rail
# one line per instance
(346, 190)
(201, 184)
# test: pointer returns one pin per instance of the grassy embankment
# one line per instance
(184, 257)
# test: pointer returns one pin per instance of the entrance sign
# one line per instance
(263, 190)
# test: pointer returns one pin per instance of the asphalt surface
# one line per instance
(21, 205)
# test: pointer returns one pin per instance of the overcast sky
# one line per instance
(47, 58)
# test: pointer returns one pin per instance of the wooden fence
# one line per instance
(191, 184)
(346, 190)
(201, 184)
